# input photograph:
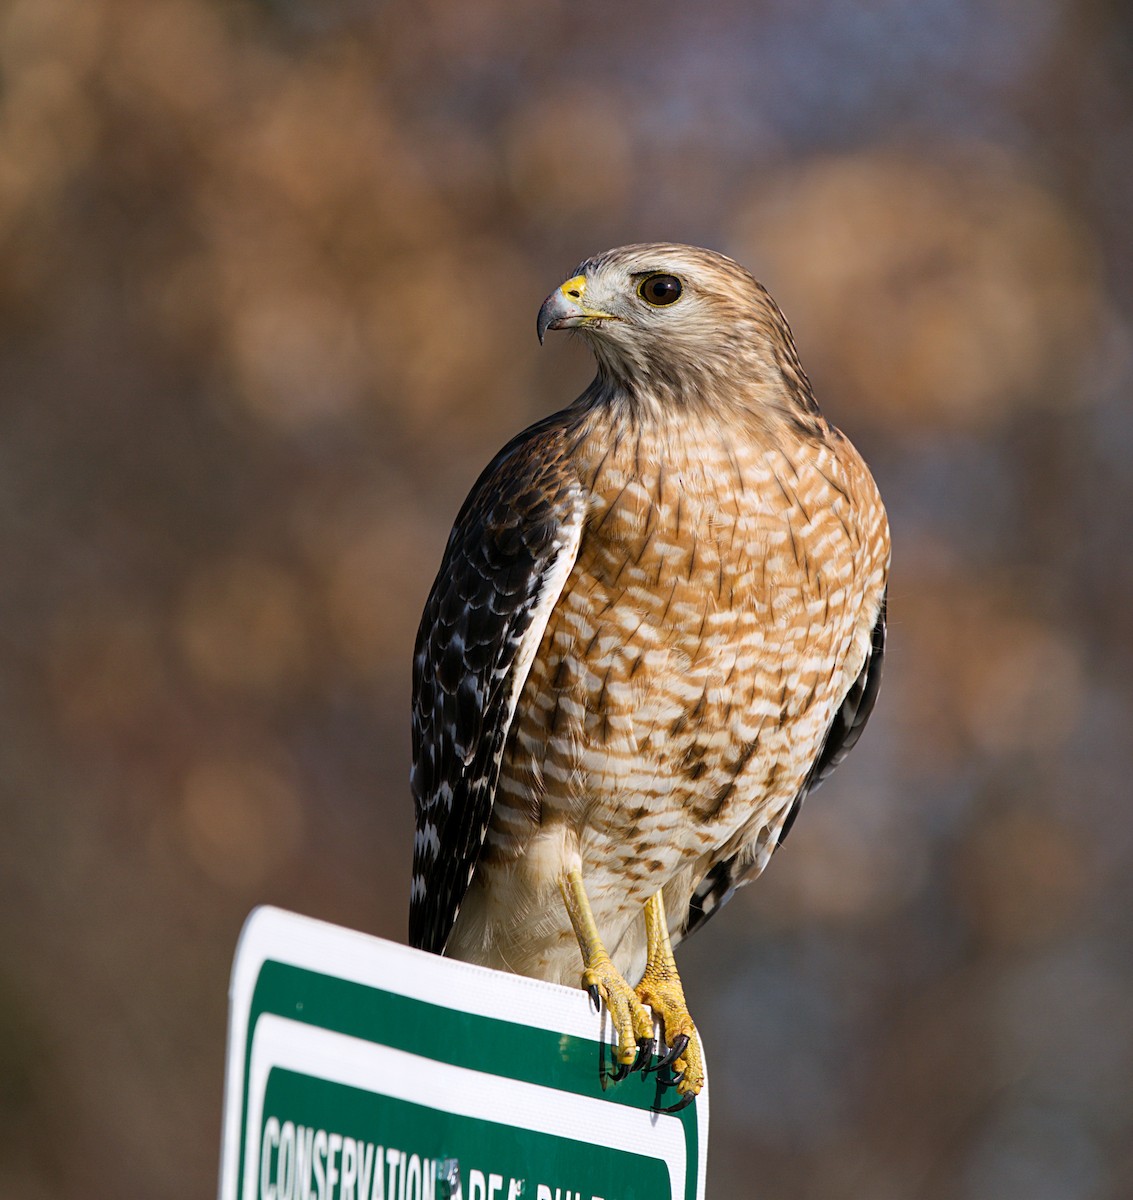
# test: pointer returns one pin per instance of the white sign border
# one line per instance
(273, 934)
(385, 1071)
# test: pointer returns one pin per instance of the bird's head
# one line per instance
(671, 323)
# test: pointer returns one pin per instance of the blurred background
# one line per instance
(269, 273)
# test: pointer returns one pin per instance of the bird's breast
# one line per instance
(695, 657)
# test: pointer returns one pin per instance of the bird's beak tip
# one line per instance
(549, 316)
(563, 308)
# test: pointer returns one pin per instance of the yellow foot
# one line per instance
(661, 989)
(631, 1020)
(628, 1015)
(666, 999)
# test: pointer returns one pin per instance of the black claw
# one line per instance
(679, 1046)
(621, 1071)
(667, 1079)
(595, 997)
(683, 1102)
(644, 1054)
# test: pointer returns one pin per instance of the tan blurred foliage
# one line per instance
(268, 280)
(946, 289)
(242, 820)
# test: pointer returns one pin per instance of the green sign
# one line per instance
(362, 1070)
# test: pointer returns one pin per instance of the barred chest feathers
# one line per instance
(683, 684)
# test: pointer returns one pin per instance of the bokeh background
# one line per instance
(268, 279)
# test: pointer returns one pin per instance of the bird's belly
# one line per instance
(681, 691)
(662, 718)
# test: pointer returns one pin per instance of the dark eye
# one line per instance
(660, 290)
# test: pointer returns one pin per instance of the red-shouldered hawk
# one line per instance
(658, 625)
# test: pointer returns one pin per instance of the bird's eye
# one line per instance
(660, 290)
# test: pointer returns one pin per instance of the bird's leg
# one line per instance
(602, 979)
(660, 988)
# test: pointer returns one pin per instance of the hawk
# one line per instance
(658, 625)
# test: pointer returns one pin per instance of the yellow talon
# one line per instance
(628, 1015)
(660, 988)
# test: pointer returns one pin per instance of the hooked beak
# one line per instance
(564, 309)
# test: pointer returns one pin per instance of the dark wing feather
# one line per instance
(507, 558)
(720, 883)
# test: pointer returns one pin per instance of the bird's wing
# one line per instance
(721, 881)
(508, 557)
